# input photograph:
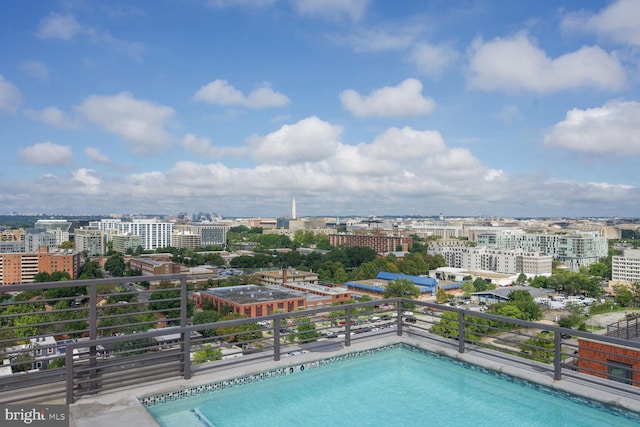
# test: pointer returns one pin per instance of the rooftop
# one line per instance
(248, 294)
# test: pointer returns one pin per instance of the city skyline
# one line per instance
(470, 108)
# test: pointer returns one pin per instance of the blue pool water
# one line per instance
(391, 388)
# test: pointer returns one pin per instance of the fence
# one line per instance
(117, 334)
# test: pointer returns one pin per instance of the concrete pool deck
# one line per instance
(123, 407)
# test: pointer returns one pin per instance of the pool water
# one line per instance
(390, 388)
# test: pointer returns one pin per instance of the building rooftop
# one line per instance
(247, 294)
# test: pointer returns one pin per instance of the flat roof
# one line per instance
(312, 287)
(247, 294)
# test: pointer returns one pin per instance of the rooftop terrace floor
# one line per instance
(123, 407)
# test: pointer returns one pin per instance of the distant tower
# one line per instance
(293, 209)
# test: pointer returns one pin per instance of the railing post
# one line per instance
(557, 356)
(185, 357)
(276, 339)
(460, 332)
(93, 335)
(347, 327)
(399, 317)
(70, 398)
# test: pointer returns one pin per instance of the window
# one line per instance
(618, 371)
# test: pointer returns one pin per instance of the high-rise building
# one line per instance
(93, 241)
(153, 233)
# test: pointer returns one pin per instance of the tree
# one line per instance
(238, 333)
(90, 270)
(539, 348)
(167, 299)
(600, 269)
(207, 316)
(523, 300)
(539, 282)
(475, 327)
(441, 296)
(522, 279)
(207, 354)
(115, 265)
(480, 284)
(401, 288)
(623, 295)
(305, 330)
(467, 288)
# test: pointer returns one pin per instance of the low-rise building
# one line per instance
(287, 275)
(255, 301)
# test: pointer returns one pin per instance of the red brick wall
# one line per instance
(593, 358)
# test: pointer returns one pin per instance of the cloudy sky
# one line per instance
(465, 107)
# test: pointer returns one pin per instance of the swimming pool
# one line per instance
(397, 385)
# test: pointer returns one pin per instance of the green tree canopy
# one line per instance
(401, 288)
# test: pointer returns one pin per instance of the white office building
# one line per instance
(625, 268)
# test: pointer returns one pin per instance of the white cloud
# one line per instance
(220, 92)
(401, 170)
(390, 101)
(47, 154)
(509, 113)
(431, 59)
(86, 181)
(97, 156)
(36, 69)
(332, 9)
(66, 27)
(10, 96)
(517, 64)
(377, 40)
(613, 129)
(53, 117)
(204, 148)
(618, 22)
(62, 27)
(140, 122)
(406, 143)
(309, 140)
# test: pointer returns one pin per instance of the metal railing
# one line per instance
(122, 344)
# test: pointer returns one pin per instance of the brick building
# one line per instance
(254, 301)
(22, 267)
(615, 362)
(377, 242)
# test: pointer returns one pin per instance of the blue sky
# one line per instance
(464, 107)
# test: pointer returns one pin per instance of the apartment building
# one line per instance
(153, 233)
(58, 227)
(576, 250)
(288, 275)
(625, 268)
(123, 242)
(93, 241)
(377, 242)
(22, 267)
(505, 261)
(210, 234)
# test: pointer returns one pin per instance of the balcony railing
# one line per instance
(116, 334)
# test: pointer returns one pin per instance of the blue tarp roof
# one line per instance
(418, 280)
